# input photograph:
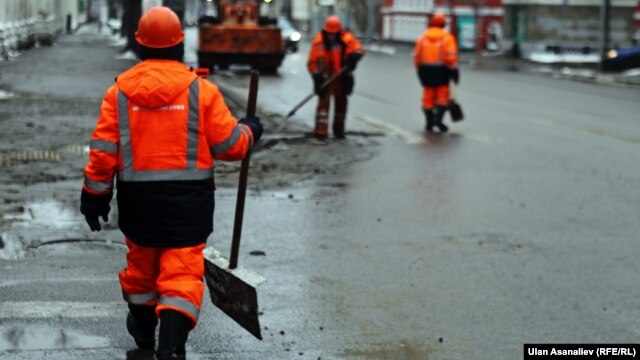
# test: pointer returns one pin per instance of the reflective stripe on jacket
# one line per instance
(159, 135)
(160, 129)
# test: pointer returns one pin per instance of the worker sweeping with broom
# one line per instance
(333, 50)
(159, 130)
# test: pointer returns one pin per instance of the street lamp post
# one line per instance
(371, 19)
(605, 19)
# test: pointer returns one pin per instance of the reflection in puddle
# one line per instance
(46, 338)
(48, 213)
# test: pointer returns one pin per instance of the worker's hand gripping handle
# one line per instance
(244, 173)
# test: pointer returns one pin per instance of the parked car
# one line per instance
(622, 59)
(290, 35)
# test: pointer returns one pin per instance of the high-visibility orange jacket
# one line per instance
(435, 55)
(329, 58)
(159, 131)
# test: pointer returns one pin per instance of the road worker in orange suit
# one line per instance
(333, 49)
(159, 130)
(436, 59)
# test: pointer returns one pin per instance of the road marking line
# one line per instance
(483, 138)
(585, 129)
(412, 138)
(22, 282)
(394, 131)
(56, 309)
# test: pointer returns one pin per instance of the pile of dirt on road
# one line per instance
(288, 156)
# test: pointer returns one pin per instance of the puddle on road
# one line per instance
(48, 213)
(48, 222)
(25, 338)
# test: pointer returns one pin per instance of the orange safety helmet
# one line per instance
(437, 19)
(332, 24)
(159, 28)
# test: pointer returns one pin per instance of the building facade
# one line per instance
(532, 25)
(477, 24)
(24, 23)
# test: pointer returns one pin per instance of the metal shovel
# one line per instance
(233, 289)
(310, 96)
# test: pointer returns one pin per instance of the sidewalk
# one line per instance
(577, 72)
(501, 62)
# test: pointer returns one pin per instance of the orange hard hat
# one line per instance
(437, 19)
(159, 28)
(332, 24)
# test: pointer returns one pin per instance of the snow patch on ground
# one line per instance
(6, 95)
(550, 58)
(127, 55)
(384, 49)
(10, 247)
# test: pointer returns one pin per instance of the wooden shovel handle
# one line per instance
(310, 96)
(244, 174)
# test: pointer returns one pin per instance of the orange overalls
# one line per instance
(435, 54)
(328, 58)
(159, 131)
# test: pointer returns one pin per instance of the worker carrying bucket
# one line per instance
(436, 59)
(334, 54)
(160, 129)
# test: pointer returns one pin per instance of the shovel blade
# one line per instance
(233, 291)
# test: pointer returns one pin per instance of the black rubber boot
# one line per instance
(338, 126)
(439, 116)
(141, 324)
(174, 331)
(430, 119)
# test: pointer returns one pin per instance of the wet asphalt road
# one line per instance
(519, 226)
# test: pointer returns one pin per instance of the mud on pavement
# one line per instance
(49, 103)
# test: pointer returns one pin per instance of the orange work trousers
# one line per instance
(435, 96)
(170, 278)
(337, 91)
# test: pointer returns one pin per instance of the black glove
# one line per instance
(455, 75)
(318, 80)
(94, 206)
(347, 83)
(255, 125)
(352, 60)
